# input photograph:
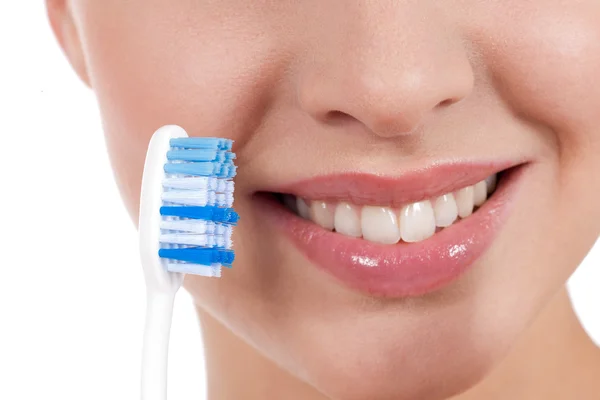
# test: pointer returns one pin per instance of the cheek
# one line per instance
(547, 67)
(167, 63)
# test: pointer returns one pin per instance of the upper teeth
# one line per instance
(411, 223)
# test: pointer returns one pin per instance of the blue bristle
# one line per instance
(201, 143)
(227, 258)
(208, 213)
(199, 255)
(214, 169)
(199, 157)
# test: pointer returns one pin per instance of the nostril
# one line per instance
(447, 102)
(336, 116)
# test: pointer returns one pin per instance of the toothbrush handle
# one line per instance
(159, 313)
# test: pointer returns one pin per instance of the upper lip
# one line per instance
(394, 191)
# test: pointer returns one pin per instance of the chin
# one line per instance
(420, 365)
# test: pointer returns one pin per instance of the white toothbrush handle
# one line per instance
(159, 313)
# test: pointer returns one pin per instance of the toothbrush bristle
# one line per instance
(197, 214)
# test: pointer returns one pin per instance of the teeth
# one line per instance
(479, 193)
(445, 210)
(303, 209)
(347, 220)
(412, 223)
(290, 202)
(322, 214)
(464, 201)
(380, 225)
(417, 221)
(490, 182)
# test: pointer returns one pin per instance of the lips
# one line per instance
(400, 269)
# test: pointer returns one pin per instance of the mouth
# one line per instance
(396, 236)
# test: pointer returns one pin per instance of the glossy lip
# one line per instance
(409, 187)
(403, 269)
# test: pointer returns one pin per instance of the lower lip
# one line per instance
(403, 269)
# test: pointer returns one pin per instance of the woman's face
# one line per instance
(377, 103)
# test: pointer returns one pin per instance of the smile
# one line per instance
(396, 236)
(411, 223)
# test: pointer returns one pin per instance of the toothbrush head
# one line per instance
(186, 215)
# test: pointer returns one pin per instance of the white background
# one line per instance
(71, 288)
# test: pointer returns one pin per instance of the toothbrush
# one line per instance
(185, 227)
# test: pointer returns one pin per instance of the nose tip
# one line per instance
(389, 68)
(387, 104)
(402, 106)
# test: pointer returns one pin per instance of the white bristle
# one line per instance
(199, 183)
(214, 271)
(222, 186)
(189, 225)
(227, 235)
(220, 229)
(189, 197)
(191, 239)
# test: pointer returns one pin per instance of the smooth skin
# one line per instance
(321, 86)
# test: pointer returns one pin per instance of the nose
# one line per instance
(389, 68)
